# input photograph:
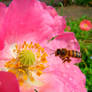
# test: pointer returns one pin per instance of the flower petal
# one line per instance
(30, 18)
(8, 82)
(50, 9)
(63, 79)
(2, 14)
(52, 84)
(67, 74)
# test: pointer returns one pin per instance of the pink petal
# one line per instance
(5, 55)
(8, 82)
(21, 21)
(2, 14)
(1, 40)
(30, 18)
(63, 80)
(69, 37)
(60, 23)
(52, 84)
(68, 75)
(50, 9)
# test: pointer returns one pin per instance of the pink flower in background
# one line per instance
(85, 25)
(8, 82)
(27, 23)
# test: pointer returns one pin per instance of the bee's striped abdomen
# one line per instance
(78, 54)
(70, 53)
(75, 54)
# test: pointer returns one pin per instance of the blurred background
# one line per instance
(78, 13)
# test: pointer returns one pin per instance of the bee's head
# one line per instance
(58, 52)
(63, 52)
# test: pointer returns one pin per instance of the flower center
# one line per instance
(27, 57)
(85, 25)
(29, 61)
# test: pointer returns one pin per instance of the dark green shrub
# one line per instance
(82, 2)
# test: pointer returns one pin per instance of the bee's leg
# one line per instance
(64, 59)
(68, 59)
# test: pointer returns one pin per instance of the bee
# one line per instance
(65, 54)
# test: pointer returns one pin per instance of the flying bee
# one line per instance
(65, 54)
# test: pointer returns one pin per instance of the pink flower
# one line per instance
(85, 25)
(26, 29)
(8, 82)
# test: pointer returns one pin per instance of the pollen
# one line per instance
(30, 59)
(39, 72)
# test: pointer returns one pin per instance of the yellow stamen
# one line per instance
(36, 45)
(39, 72)
(42, 50)
(43, 59)
(18, 64)
(16, 46)
(21, 81)
(31, 68)
(40, 67)
(38, 54)
(31, 77)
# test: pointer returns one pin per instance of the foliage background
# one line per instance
(82, 2)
